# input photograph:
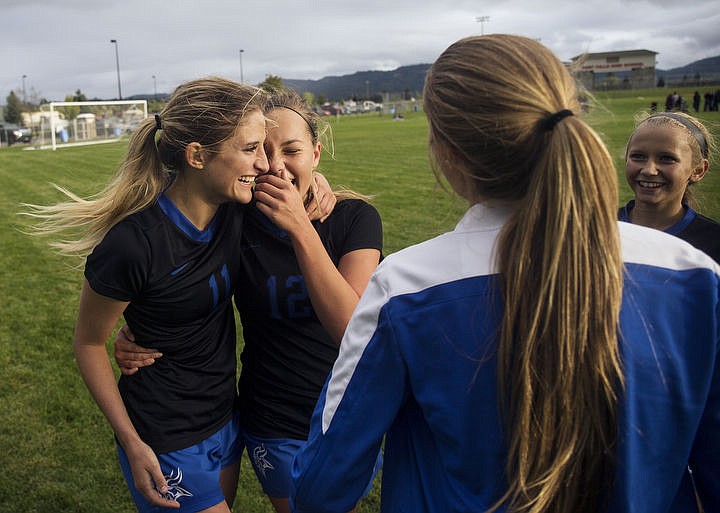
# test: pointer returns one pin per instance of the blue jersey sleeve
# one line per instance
(368, 382)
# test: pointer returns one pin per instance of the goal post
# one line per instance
(115, 119)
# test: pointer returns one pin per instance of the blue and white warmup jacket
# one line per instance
(418, 363)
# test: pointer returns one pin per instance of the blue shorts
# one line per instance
(272, 458)
(193, 473)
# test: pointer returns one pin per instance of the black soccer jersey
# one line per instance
(288, 354)
(179, 281)
(704, 234)
(700, 231)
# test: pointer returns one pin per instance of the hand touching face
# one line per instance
(289, 148)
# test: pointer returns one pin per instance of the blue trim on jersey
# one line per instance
(179, 269)
(214, 287)
(182, 222)
(675, 229)
(226, 276)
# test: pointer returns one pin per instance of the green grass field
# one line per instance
(56, 449)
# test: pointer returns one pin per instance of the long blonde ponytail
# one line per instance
(137, 183)
(488, 101)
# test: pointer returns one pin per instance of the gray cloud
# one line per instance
(64, 46)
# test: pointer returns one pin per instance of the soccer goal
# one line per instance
(89, 122)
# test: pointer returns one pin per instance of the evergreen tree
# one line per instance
(272, 83)
(13, 109)
(79, 96)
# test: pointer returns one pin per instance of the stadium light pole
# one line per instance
(481, 20)
(24, 96)
(242, 78)
(155, 86)
(367, 89)
(117, 65)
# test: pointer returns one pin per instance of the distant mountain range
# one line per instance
(408, 81)
(706, 69)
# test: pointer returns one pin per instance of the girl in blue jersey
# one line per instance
(298, 284)
(541, 357)
(162, 239)
(667, 154)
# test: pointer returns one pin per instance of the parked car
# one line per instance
(11, 134)
(370, 106)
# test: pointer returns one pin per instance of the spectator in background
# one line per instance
(674, 101)
(669, 102)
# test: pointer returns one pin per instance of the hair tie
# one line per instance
(158, 123)
(549, 122)
(692, 127)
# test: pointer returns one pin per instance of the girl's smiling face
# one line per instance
(230, 174)
(659, 166)
(289, 147)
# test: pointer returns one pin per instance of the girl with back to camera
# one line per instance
(541, 357)
(666, 155)
(163, 242)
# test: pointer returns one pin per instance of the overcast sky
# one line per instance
(64, 45)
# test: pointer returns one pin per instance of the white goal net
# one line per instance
(60, 124)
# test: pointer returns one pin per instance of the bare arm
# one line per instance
(334, 291)
(97, 316)
(325, 200)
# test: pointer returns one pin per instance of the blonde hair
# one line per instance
(207, 111)
(490, 102)
(699, 153)
(319, 131)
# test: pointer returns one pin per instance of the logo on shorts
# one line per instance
(175, 491)
(261, 462)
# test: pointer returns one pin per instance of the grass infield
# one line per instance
(56, 449)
